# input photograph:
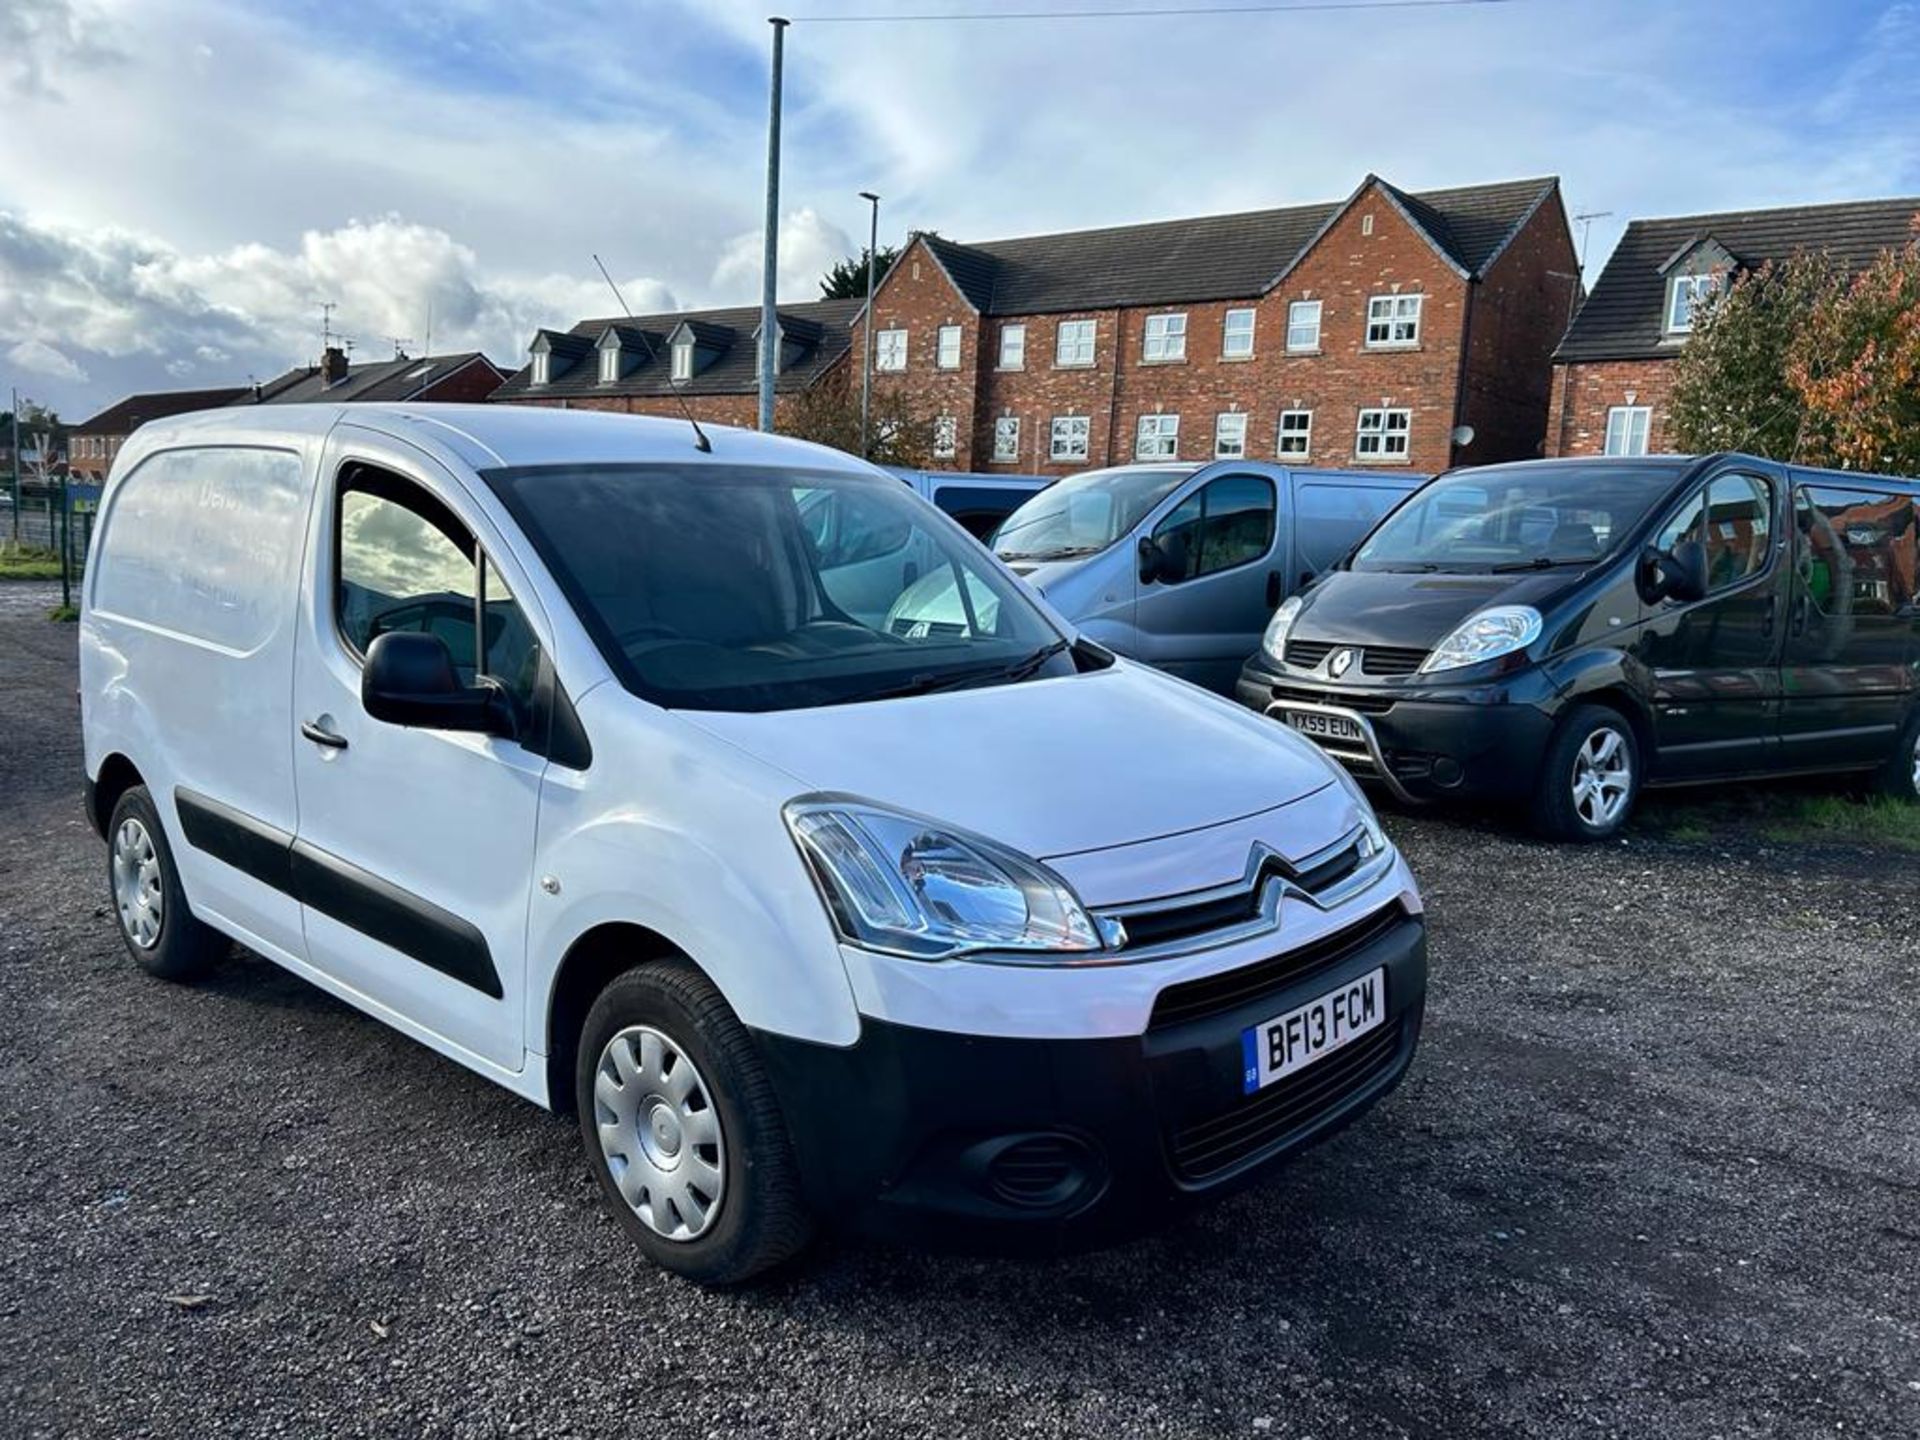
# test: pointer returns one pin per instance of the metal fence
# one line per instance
(58, 520)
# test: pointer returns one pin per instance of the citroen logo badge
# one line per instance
(1341, 662)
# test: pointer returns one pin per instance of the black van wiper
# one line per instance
(1541, 562)
(1063, 552)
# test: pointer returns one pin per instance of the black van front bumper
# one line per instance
(1023, 1144)
(1424, 741)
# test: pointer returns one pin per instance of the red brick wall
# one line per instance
(917, 297)
(1585, 391)
(468, 385)
(739, 410)
(1521, 308)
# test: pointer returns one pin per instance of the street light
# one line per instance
(866, 330)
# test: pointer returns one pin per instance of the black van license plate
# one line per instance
(1326, 727)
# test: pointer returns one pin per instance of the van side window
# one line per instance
(1329, 519)
(407, 563)
(1732, 519)
(1226, 523)
(1857, 552)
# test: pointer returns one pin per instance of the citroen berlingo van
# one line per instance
(1559, 633)
(556, 741)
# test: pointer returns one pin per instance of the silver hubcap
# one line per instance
(136, 884)
(660, 1133)
(1916, 763)
(1602, 778)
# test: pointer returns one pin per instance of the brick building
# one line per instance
(92, 444)
(1373, 331)
(1612, 372)
(711, 357)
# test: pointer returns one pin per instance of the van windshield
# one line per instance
(1084, 513)
(713, 587)
(1517, 517)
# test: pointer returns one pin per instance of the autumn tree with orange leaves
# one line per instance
(1799, 362)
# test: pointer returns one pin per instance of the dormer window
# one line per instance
(683, 359)
(542, 367)
(1687, 296)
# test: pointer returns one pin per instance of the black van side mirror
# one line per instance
(1676, 574)
(409, 679)
(1163, 560)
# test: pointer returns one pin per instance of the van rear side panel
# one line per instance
(187, 664)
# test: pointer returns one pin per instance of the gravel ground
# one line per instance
(1655, 1173)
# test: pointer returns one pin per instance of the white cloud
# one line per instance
(808, 246)
(43, 42)
(39, 358)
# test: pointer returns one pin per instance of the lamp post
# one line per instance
(770, 259)
(866, 330)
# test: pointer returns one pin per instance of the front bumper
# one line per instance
(925, 1134)
(1420, 740)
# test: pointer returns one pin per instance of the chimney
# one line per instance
(333, 366)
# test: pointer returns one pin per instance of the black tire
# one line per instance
(1900, 776)
(1558, 812)
(761, 1218)
(182, 948)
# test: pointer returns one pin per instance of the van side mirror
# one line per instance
(1676, 574)
(409, 679)
(1163, 560)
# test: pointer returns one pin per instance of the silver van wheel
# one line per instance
(137, 888)
(660, 1133)
(1602, 777)
(1916, 760)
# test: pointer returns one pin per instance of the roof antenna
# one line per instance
(700, 442)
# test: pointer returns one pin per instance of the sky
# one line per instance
(184, 183)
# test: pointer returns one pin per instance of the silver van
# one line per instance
(1181, 566)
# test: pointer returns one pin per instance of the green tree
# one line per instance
(828, 413)
(1732, 383)
(847, 279)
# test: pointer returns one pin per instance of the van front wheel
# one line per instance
(1591, 776)
(682, 1128)
(1901, 777)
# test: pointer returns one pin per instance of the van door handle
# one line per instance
(1766, 621)
(322, 737)
(1273, 589)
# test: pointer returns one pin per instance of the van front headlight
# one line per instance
(1493, 632)
(904, 885)
(1274, 642)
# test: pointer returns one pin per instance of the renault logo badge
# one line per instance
(1341, 662)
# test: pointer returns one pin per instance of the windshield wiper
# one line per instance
(927, 683)
(1021, 669)
(1541, 562)
(1064, 552)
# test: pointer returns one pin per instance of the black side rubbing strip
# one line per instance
(358, 898)
(247, 844)
(377, 908)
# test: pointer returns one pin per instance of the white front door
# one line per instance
(414, 852)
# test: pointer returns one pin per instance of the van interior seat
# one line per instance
(1574, 540)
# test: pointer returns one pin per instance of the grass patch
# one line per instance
(62, 614)
(28, 562)
(1785, 813)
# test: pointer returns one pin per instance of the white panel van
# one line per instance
(569, 747)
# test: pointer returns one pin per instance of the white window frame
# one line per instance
(1303, 433)
(542, 368)
(1006, 438)
(1397, 318)
(1303, 335)
(1163, 340)
(1230, 435)
(946, 437)
(1229, 334)
(680, 363)
(609, 364)
(1156, 437)
(1698, 290)
(945, 338)
(1076, 431)
(1013, 340)
(1622, 421)
(1085, 334)
(1383, 441)
(889, 351)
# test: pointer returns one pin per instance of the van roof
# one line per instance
(493, 436)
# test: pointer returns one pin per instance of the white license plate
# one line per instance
(1325, 727)
(1295, 1040)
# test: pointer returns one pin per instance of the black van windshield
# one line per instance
(713, 587)
(1517, 517)
(1084, 513)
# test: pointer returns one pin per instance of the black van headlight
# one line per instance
(1498, 630)
(909, 886)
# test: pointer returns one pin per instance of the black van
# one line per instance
(1560, 632)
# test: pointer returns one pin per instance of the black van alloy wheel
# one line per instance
(1590, 778)
(682, 1128)
(161, 933)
